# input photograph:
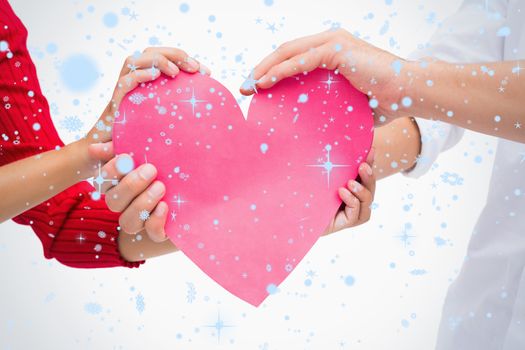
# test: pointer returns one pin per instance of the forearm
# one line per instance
(396, 146)
(484, 97)
(30, 181)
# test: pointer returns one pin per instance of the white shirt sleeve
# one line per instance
(470, 35)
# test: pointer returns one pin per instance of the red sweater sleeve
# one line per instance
(73, 228)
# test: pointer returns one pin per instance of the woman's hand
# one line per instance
(373, 71)
(357, 199)
(134, 192)
(140, 69)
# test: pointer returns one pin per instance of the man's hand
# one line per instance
(377, 73)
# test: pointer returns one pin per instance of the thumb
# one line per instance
(102, 152)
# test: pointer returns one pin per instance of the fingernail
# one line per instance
(356, 186)
(172, 68)
(343, 193)
(160, 209)
(157, 189)
(192, 63)
(367, 168)
(147, 171)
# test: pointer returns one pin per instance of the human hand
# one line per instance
(375, 72)
(135, 193)
(138, 69)
(356, 199)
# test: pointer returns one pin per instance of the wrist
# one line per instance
(419, 84)
(79, 157)
(399, 93)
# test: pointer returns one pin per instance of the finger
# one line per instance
(129, 187)
(103, 152)
(348, 216)
(290, 49)
(367, 178)
(155, 224)
(110, 174)
(147, 60)
(306, 62)
(133, 218)
(128, 82)
(177, 56)
(365, 199)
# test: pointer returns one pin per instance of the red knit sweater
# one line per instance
(73, 228)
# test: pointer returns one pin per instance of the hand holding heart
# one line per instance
(249, 197)
(135, 192)
(191, 128)
(374, 72)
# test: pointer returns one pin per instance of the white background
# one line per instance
(395, 302)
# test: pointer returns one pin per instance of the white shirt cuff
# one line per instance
(436, 137)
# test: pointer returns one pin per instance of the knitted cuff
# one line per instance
(77, 231)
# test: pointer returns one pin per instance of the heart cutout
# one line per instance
(247, 198)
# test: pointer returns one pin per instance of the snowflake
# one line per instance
(93, 308)
(452, 179)
(144, 215)
(72, 123)
(140, 305)
(137, 98)
(192, 293)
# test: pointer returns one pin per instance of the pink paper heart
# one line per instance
(248, 198)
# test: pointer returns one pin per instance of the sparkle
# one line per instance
(132, 67)
(258, 20)
(271, 27)
(249, 82)
(154, 70)
(193, 101)
(327, 165)
(404, 237)
(133, 16)
(178, 200)
(81, 238)
(219, 326)
(501, 89)
(517, 125)
(517, 69)
(311, 273)
(329, 81)
(99, 181)
(173, 215)
(123, 121)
